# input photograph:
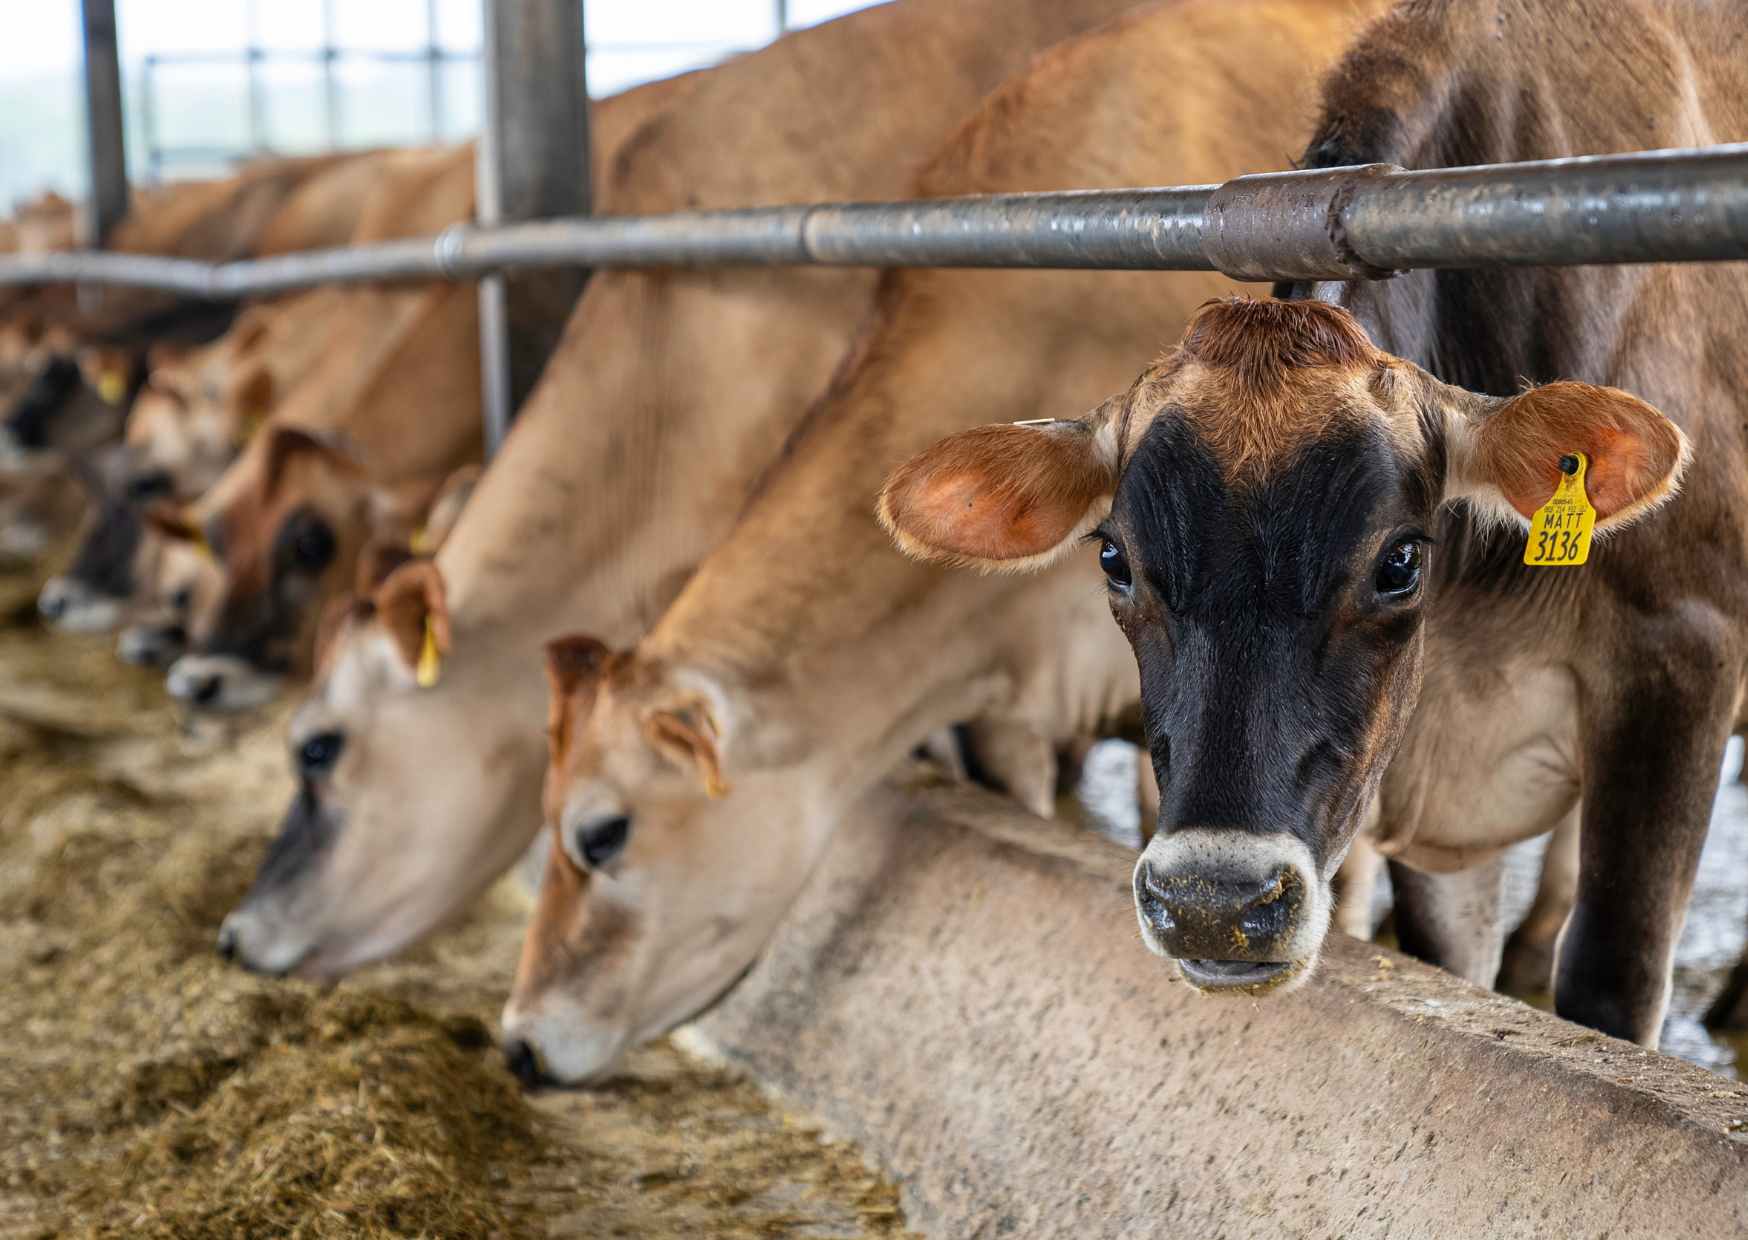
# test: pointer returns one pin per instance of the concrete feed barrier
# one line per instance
(962, 991)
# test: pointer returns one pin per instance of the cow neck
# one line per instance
(664, 374)
(1457, 85)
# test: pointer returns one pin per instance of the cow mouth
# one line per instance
(1239, 976)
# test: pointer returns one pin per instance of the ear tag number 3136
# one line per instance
(1559, 534)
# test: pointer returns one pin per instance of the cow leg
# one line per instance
(1528, 967)
(1452, 920)
(1356, 889)
(1650, 775)
(1071, 756)
(1015, 759)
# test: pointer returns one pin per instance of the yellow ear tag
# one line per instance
(1560, 531)
(112, 387)
(420, 542)
(430, 662)
(201, 545)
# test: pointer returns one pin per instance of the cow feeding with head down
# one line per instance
(1316, 547)
(697, 778)
(670, 392)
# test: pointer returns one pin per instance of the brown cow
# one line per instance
(697, 778)
(670, 392)
(1317, 625)
(184, 428)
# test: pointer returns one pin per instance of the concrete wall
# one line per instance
(963, 991)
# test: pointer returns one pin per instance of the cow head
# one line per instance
(655, 898)
(286, 538)
(74, 402)
(401, 816)
(181, 433)
(178, 585)
(1264, 501)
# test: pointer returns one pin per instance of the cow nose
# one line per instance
(206, 689)
(51, 604)
(227, 942)
(1216, 919)
(524, 1064)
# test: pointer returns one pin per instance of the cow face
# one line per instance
(1264, 501)
(179, 585)
(659, 891)
(73, 403)
(287, 539)
(382, 842)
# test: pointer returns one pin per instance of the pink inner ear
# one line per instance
(989, 523)
(996, 493)
(1633, 449)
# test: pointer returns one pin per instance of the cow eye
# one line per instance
(1116, 566)
(1399, 570)
(317, 755)
(143, 487)
(596, 842)
(182, 600)
(313, 545)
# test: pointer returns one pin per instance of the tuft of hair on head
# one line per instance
(1262, 339)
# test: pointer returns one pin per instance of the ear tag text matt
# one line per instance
(1560, 531)
(430, 662)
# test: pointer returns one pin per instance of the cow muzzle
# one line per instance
(74, 607)
(220, 683)
(1238, 912)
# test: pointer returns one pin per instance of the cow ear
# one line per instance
(380, 558)
(685, 732)
(1505, 454)
(172, 522)
(1007, 498)
(286, 444)
(415, 615)
(252, 399)
(574, 664)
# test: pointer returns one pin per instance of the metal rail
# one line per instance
(1332, 224)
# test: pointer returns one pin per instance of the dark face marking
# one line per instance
(31, 422)
(305, 835)
(1269, 620)
(262, 625)
(104, 562)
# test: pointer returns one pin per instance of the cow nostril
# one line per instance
(206, 691)
(51, 605)
(524, 1065)
(227, 942)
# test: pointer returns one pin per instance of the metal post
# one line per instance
(106, 147)
(782, 18)
(434, 72)
(149, 117)
(252, 57)
(330, 85)
(532, 163)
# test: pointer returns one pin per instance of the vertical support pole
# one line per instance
(330, 84)
(782, 18)
(532, 162)
(257, 91)
(149, 118)
(106, 146)
(434, 72)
